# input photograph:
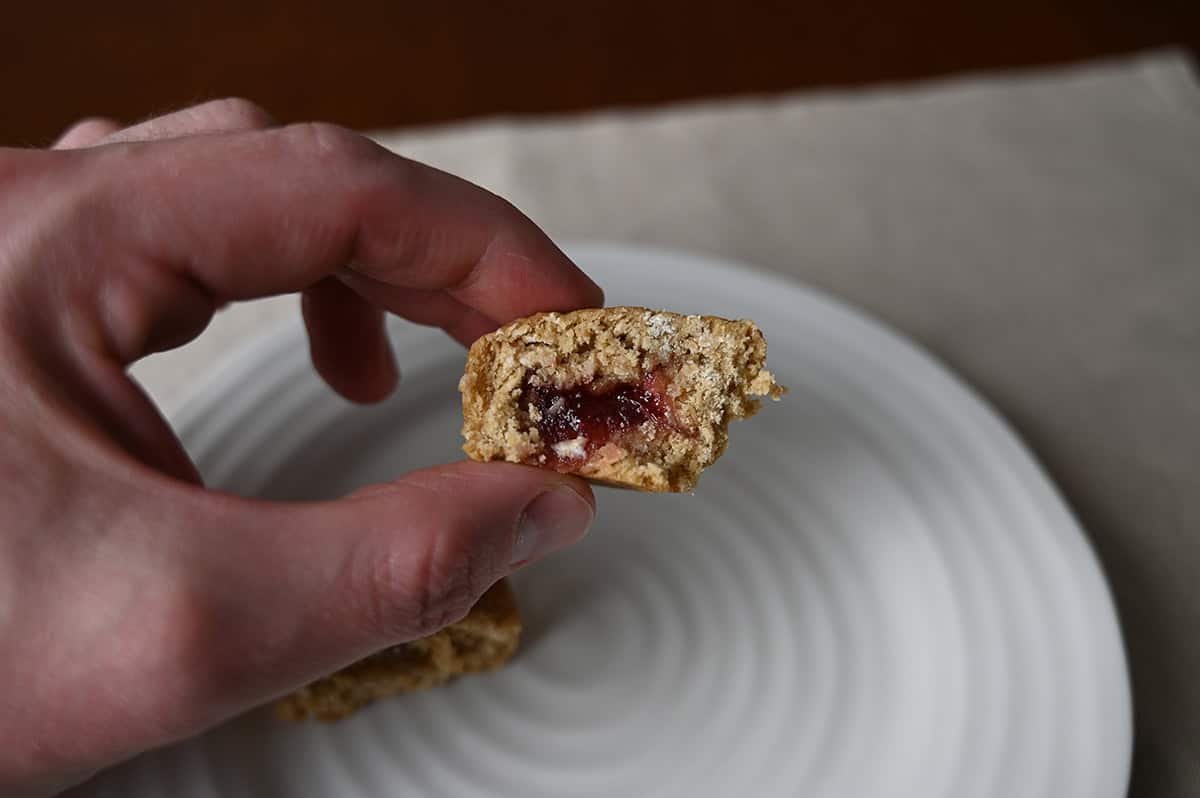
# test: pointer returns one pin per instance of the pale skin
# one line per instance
(136, 606)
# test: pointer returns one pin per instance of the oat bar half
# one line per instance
(627, 396)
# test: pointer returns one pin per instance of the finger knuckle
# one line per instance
(236, 112)
(93, 124)
(410, 593)
(332, 143)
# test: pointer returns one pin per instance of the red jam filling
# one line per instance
(596, 416)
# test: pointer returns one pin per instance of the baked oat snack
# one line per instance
(484, 640)
(626, 396)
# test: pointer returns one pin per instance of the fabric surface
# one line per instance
(1040, 232)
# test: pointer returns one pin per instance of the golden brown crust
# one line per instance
(484, 640)
(711, 368)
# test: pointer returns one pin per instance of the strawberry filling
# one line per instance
(576, 422)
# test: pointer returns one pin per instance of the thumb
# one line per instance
(310, 588)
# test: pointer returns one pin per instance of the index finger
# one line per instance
(252, 214)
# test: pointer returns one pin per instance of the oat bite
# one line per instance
(625, 396)
(482, 641)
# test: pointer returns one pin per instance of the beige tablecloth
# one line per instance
(1040, 232)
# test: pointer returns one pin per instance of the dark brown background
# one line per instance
(372, 63)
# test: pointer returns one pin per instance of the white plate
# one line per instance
(876, 592)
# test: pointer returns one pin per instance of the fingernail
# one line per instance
(554, 519)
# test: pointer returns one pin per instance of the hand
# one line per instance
(136, 607)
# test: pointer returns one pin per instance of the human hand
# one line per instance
(136, 607)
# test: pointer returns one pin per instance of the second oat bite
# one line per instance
(625, 396)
